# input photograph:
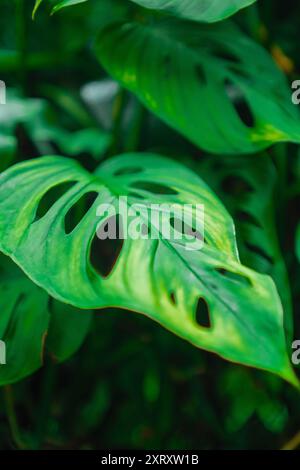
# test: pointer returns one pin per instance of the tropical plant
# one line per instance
(196, 110)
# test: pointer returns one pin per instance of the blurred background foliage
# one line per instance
(132, 384)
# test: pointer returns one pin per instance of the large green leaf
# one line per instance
(198, 10)
(161, 278)
(210, 82)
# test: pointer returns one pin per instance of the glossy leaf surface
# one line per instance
(162, 278)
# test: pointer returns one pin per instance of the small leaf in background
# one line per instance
(151, 384)
(245, 397)
(39, 122)
(238, 407)
(36, 7)
(273, 414)
(31, 326)
(24, 323)
(93, 411)
(68, 329)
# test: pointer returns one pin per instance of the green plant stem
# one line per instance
(118, 112)
(133, 141)
(12, 417)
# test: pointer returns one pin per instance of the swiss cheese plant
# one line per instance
(194, 67)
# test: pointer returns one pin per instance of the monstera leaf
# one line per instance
(203, 295)
(247, 187)
(198, 10)
(31, 324)
(210, 82)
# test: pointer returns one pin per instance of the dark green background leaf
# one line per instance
(197, 10)
(214, 85)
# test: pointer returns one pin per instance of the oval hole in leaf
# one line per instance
(154, 188)
(200, 73)
(104, 253)
(260, 252)
(76, 213)
(244, 216)
(50, 197)
(181, 227)
(128, 171)
(167, 65)
(173, 298)
(240, 103)
(241, 73)
(236, 186)
(202, 315)
(234, 276)
(136, 195)
(217, 166)
(145, 230)
(224, 54)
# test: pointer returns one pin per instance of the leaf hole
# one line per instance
(128, 171)
(107, 245)
(240, 103)
(202, 315)
(167, 65)
(236, 277)
(238, 71)
(173, 298)
(244, 216)
(236, 186)
(76, 213)
(260, 252)
(221, 53)
(183, 228)
(154, 188)
(200, 73)
(145, 230)
(136, 195)
(51, 197)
